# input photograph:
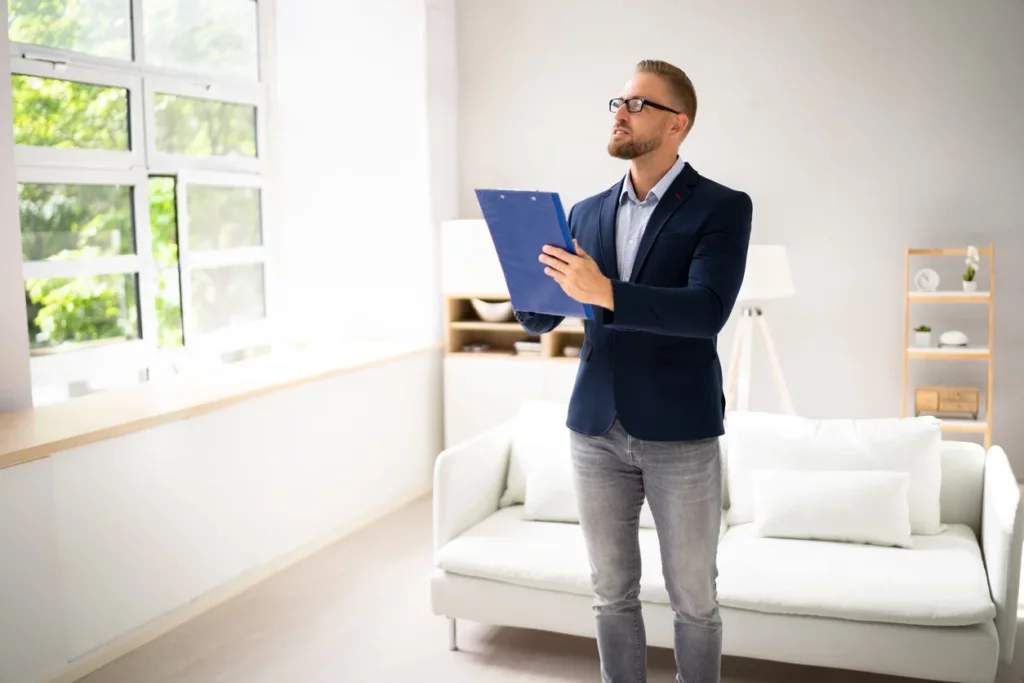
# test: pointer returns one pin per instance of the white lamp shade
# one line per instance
(767, 275)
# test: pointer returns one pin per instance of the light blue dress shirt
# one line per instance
(633, 215)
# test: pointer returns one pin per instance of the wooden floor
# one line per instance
(359, 612)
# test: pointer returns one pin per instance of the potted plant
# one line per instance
(922, 336)
(970, 284)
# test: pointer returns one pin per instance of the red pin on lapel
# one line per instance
(678, 196)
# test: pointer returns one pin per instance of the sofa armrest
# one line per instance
(469, 479)
(1001, 544)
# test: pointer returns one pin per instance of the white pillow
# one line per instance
(540, 466)
(539, 431)
(856, 507)
(551, 492)
(760, 441)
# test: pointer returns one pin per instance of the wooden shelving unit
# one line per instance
(952, 353)
(464, 327)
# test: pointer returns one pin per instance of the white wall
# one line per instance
(102, 539)
(365, 100)
(855, 126)
(15, 380)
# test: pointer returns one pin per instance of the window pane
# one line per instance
(227, 296)
(75, 221)
(223, 217)
(71, 313)
(217, 38)
(163, 222)
(197, 127)
(53, 113)
(96, 27)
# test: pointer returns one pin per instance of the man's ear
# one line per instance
(682, 124)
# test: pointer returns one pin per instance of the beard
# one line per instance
(633, 147)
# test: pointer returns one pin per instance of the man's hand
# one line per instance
(579, 276)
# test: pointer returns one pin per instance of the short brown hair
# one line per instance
(679, 83)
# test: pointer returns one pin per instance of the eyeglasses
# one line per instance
(635, 104)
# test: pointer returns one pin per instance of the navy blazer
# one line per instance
(653, 361)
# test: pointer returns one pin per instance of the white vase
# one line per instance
(970, 285)
(922, 339)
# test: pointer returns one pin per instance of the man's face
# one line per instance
(637, 133)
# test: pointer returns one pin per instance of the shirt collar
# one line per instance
(659, 190)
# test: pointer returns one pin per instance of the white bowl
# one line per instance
(493, 311)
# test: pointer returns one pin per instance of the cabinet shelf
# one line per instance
(950, 352)
(949, 297)
(463, 328)
(486, 327)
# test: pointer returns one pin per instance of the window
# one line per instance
(140, 127)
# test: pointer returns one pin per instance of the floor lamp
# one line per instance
(767, 277)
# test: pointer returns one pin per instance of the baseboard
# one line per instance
(133, 640)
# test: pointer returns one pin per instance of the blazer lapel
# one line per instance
(678, 192)
(609, 260)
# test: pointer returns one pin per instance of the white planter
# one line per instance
(970, 286)
(922, 339)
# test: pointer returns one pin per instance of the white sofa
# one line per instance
(944, 610)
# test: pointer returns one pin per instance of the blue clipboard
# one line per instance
(521, 223)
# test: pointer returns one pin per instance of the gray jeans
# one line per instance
(682, 482)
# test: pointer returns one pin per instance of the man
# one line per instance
(661, 257)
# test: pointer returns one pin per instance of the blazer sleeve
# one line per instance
(542, 323)
(701, 308)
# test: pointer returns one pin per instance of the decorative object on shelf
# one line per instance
(953, 345)
(970, 284)
(527, 348)
(926, 280)
(953, 338)
(922, 335)
(570, 351)
(493, 311)
(476, 348)
(948, 401)
(767, 277)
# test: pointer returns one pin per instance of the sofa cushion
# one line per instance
(853, 506)
(940, 582)
(786, 442)
(540, 466)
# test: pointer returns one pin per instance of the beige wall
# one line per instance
(855, 126)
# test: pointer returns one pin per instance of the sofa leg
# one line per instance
(452, 635)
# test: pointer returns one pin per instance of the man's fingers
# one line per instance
(558, 276)
(560, 266)
(558, 252)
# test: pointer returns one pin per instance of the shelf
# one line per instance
(481, 326)
(951, 297)
(963, 425)
(947, 252)
(950, 352)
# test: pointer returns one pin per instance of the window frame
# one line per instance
(31, 155)
(189, 259)
(136, 167)
(168, 161)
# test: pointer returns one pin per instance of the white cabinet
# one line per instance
(481, 392)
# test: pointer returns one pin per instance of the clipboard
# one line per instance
(521, 223)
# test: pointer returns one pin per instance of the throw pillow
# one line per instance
(759, 441)
(539, 431)
(863, 506)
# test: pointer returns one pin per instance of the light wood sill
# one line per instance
(39, 432)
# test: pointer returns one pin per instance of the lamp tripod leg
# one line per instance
(780, 381)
